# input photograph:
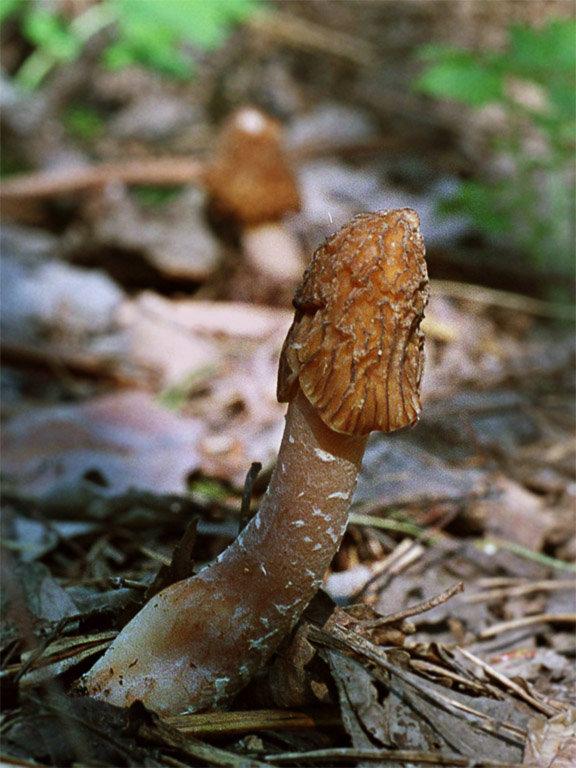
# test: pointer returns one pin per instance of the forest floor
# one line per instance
(140, 349)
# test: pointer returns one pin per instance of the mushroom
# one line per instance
(252, 185)
(249, 180)
(351, 363)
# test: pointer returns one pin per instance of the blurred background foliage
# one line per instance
(154, 33)
(532, 85)
(519, 197)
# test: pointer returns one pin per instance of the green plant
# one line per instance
(159, 34)
(82, 122)
(533, 83)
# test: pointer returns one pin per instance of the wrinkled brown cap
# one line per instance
(249, 178)
(355, 346)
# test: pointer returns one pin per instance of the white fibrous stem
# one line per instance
(199, 641)
(274, 252)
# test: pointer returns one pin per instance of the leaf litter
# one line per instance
(133, 409)
(484, 673)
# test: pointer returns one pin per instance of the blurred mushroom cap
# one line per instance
(249, 178)
(355, 347)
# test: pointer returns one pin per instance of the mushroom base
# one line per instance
(199, 641)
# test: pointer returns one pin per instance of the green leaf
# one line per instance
(533, 205)
(563, 99)
(537, 52)
(481, 204)
(83, 122)
(463, 79)
(154, 32)
(440, 53)
(155, 197)
(8, 7)
(48, 31)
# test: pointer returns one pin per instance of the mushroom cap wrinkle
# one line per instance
(355, 346)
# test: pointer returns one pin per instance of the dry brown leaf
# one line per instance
(552, 743)
(124, 440)
(513, 514)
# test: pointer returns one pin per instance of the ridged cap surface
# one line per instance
(355, 346)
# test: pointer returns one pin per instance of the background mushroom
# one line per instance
(248, 176)
(252, 187)
(351, 363)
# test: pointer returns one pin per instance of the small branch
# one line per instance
(396, 525)
(251, 475)
(56, 359)
(413, 610)
(505, 299)
(405, 554)
(332, 756)
(181, 565)
(492, 544)
(527, 621)
(435, 671)
(163, 171)
(6, 759)
(227, 723)
(301, 33)
(162, 733)
(159, 557)
(517, 590)
(510, 684)
(346, 641)
(40, 650)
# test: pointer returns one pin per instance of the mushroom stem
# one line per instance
(351, 363)
(253, 187)
(274, 252)
(199, 641)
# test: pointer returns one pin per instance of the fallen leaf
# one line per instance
(552, 743)
(126, 439)
(512, 513)
(362, 714)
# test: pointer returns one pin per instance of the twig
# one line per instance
(120, 582)
(345, 755)
(301, 33)
(41, 649)
(55, 358)
(425, 605)
(245, 511)
(548, 585)
(394, 525)
(526, 621)
(161, 732)
(401, 557)
(437, 671)
(181, 564)
(499, 581)
(439, 331)
(53, 653)
(226, 723)
(158, 556)
(17, 761)
(528, 554)
(172, 762)
(505, 299)
(347, 640)
(162, 171)
(510, 684)
(62, 708)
